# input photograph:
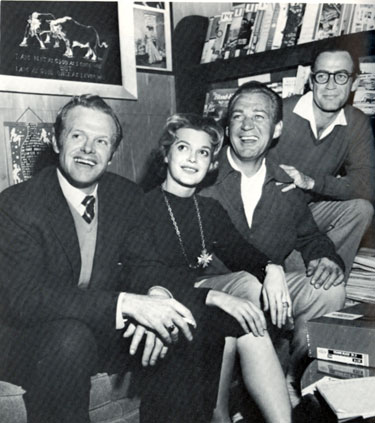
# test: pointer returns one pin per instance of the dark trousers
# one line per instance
(183, 389)
(54, 362)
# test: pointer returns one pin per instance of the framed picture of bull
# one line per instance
(152, 35)
(68, 47)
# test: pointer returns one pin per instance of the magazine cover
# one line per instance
(293, 24)
(216, 103)
(247, 27)
(330, 21)
(234, 30)
(364, 97)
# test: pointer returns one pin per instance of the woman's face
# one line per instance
(189, 160)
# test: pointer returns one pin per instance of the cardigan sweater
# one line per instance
(347, 151)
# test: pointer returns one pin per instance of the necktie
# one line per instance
(89, 213)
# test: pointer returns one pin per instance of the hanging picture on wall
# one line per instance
(152, 36)
(64, 47)
(28, 146)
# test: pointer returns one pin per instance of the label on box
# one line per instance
(343, 315)
(342, 371)
(348, 357)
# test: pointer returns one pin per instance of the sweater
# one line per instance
(347, 151)
(220, 235)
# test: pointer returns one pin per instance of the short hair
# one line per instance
(89, 101)
(354, 57)
(258, 87)
(191, 121)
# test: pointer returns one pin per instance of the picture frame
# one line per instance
(67, 48)
(152, 36)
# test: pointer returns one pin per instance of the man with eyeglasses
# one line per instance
(327, 148)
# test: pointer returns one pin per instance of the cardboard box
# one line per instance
(345, 336)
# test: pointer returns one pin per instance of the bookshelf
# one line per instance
(193, 80)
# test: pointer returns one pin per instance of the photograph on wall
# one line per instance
(152, 36)
(64, 41)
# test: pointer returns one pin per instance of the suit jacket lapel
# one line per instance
(107, 216)
(230, 181)
(62, 222)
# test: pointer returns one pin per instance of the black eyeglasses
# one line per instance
(322, 77)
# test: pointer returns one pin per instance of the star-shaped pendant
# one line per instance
(204, 259)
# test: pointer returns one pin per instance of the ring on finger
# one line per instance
(171, 328)
(285, 304)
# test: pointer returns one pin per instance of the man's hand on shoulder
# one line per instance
(325, 272)
(159, 314)
(300, 179)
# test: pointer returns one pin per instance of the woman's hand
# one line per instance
(248, 315)
(276, 296)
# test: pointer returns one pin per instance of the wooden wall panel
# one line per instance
(142, 121)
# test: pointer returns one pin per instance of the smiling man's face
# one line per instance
(251, 126)
(86, 146)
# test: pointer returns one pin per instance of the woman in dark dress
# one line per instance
(189, 230)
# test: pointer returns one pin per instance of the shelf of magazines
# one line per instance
(362, 43)
(250, 28)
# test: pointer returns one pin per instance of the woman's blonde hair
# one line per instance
(191, 121)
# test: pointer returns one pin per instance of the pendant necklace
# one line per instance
(205, 258)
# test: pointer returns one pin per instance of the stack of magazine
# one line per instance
(361, 282)
(217, 99)
(364, 97)
(250, 28)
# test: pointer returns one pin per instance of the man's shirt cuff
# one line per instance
(120, 321)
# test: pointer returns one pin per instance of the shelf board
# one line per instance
(362, 44)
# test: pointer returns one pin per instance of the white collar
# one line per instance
(72, 194)
(260, 172)
(304, 108)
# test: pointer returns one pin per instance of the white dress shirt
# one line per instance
(304, 108)
(251, 187)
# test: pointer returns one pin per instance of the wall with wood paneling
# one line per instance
(142, 121)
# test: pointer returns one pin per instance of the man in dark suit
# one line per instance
(69, 239)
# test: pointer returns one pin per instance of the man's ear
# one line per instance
(112, 155)
(54, 145)
(278, 129)
(213, 166)
(355, 84)
(310, 82)
(166, 159)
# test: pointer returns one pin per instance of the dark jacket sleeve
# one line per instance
(232, 248)
(33, 291)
